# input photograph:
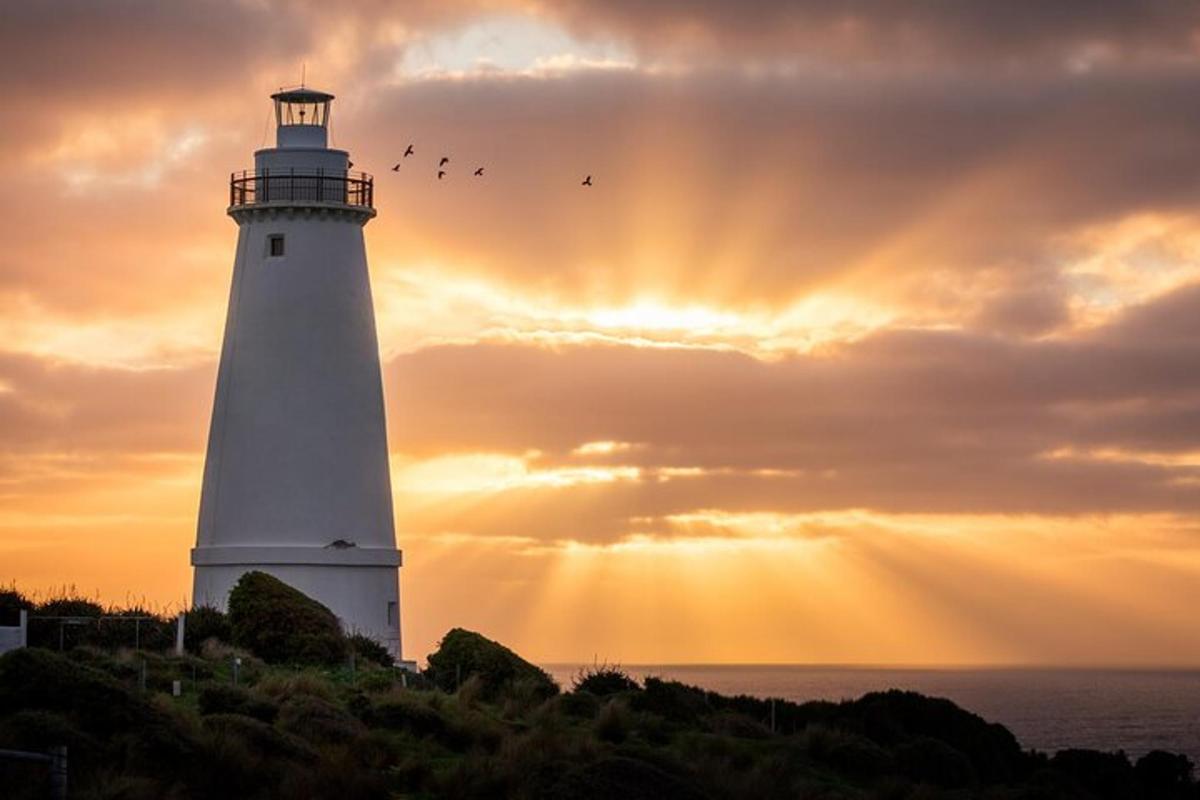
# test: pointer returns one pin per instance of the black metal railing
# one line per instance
(250, 188)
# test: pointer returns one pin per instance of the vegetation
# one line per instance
(464, 654)
(283, 625)
(499, 728)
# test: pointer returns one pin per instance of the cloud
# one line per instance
(887, 34)
(902, 421)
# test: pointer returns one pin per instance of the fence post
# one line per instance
(58, 773)
(180, 626)
(23, 621)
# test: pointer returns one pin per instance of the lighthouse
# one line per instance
(296, 477)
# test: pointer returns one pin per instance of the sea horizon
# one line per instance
(1131, 708)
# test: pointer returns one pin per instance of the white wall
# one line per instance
(14, 637)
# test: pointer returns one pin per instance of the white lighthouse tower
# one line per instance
(296, 476)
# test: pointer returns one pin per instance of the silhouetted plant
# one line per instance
(603, 680)
(11, 604)
(368, 649)
(204, 623)
(280, 624)
(464, 653)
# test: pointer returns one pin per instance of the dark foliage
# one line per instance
(674, 701)
(319, 721)
(282, 625)
(132, 627)
(11, 603)
(626, 778)
(1107, 776)
(368, 649)
(603, 680)
(1166, 776)
(204, 623)
(321, 733)
(48, 629)
(222, 698)
(463, 654)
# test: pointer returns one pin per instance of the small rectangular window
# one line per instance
(275, 244)
(392, 609)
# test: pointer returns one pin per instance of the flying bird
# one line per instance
(441, 174)
(479, 172)
(408, 151)
(587, 181)
(445, 160)
(396, 168)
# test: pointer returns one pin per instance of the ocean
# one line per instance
(1135, 710)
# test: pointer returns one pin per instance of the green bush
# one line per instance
(318, 721)
(119, 629)
(36, 679)
(280, 624)
(204, 623)
(219, 698)
(603, 680)
(44, 631)
(464, 653)
(368, 649)
(11, 603)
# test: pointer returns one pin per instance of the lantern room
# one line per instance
(301, 118)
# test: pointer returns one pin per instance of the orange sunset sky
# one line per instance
(877, 338)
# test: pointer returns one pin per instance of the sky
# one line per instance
(876, 339)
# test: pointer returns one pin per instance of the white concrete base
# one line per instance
(366, 595)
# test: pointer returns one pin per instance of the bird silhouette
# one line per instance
(445, 160)
(587, 181)
(479, 172)
(441, 174)
(349, 165)
(408, 151)
(396, 168)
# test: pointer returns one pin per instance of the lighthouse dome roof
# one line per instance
(301, 95)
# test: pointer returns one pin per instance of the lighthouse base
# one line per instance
(361, 586)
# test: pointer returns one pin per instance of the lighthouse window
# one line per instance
(275, 244)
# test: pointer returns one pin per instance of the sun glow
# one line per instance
(428, 306)
(481, 473)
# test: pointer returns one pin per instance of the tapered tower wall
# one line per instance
(296, 479)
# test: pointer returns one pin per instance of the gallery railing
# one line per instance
(250, 188)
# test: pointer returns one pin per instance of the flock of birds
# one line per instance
(445, 160)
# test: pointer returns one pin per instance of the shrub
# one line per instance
(316, 720)
(116, 630)
(32, 678)
(929, 760)
(204, 623)
(604, 680)
(1105, 775)
(613, 722)
(673, 700)
(625, 778)
(464, 653)
(55, 633)
(11, 603)
(368, 649)
(219, 698)
(280, 624)
(282, 688)
(1164, 775)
